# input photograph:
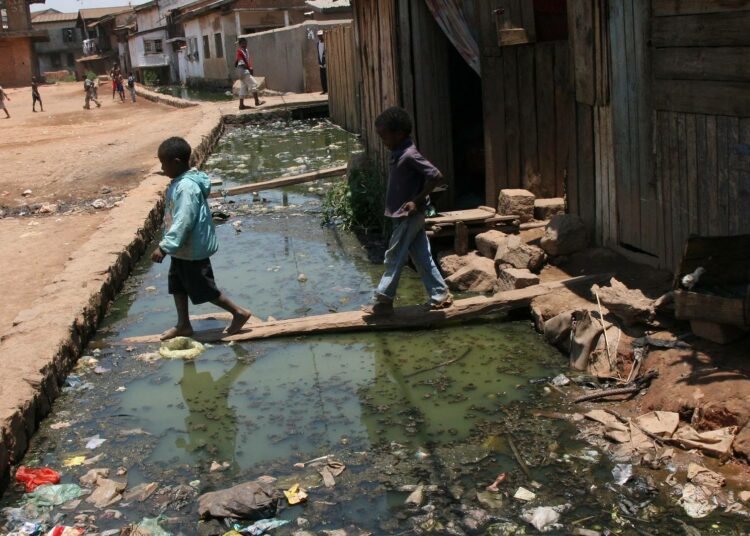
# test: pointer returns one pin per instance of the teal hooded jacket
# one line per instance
(188, 228)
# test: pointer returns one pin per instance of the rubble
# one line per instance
(565, 234)
(450, 262)
(544, 209)
(517, 202)
(477, 276)
(629, 305)
(518, 254)
(515, 278)
(489, 242)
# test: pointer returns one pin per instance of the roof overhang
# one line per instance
(34, 35)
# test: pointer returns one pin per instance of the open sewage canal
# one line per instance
(380, 403)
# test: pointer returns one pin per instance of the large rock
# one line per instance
(629, 305)
(450, 263)
(741, 444)
(518, 254)
(517, 202)
(515, 278)
(477, 276)
(565, 234)
(544, 209)
(489, 242)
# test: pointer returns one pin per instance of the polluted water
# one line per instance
(395, 432)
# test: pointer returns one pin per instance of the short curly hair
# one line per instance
(175, 148)
(395, 119)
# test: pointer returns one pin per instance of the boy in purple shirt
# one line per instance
(411, 179)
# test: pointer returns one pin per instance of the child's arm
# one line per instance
(187, 207)
(432, 178)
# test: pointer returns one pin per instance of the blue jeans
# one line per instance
(409, 239)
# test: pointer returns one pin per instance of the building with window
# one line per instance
(17, 38)
(101, 30)
(64, 46)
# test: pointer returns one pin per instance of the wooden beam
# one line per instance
(689, 7)
(410, 317)
(717, 30)
(703, 97)
(282, 181)
(702, 63)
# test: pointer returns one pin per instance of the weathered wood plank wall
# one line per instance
(530, 127)
(343, 78)
(376, 44)
(702, 119)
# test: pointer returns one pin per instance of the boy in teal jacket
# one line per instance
(190, 239)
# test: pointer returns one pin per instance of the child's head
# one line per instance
(174, 155)
(243, 42)
(393, 126)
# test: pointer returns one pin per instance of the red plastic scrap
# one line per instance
(66, 531)
(33, 478)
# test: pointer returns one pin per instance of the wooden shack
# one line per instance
(637, 111)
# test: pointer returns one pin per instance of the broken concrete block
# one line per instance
(544, 209)
(517, 202)
(477, 276)
(515, 278)
(629, 305)
(565, 234)
(518, 254)
(450, 263)
(487, 243)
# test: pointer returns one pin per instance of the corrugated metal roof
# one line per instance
(329, 5)
(42, 18)
(99, 12)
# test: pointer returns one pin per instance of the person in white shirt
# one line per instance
(321, 45)
(244, 65)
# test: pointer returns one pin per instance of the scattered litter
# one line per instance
(181, 348)
(702, 476)
(696, 501)
(622, 472)
(141, 492)
(90, 478)
(218, 467)
(302, 278)
(54, 494)
(150, 289)
(249, 501)
(560, 380)
(659, 343)
(59, 425)
(261, 527)
(331, 470)
(716, 443)
(75, 461)
(99, 203)
(149, 527)
(27, 193)
(421, 454)
(494, 486)
(544, 518)
(523, 494)
(295, 495)
(416, 497)
(237, 226)
(33, 478)
(745, 496)
(107, 493)
(94, 442)
(66, 531)
(102, 370)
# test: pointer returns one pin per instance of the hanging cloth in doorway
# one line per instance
(450, 17)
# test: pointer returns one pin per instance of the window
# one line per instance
(56, 60)
(3, 19)
(193, 49)
(71, 60)
(219, 45)
(206, 47)
(69, 35)
(152, 46)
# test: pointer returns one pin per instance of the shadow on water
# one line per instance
(399, 408)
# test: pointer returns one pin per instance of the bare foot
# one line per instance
(176, 332)
(238, 321)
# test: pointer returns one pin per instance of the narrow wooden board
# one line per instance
(282, 181)
(688, 7)
(472, 214)
(716, 30)
(403, 318)
(702, 63)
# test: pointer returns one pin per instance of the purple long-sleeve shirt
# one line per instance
(408, 172)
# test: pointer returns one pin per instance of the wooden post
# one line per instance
(461, 240)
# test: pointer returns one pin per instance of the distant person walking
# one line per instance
(131, 86)
(321, 45)
(244, 66)
(88, 87)
(35, 95)
(3, 97)
(113, 72)
(120, 87)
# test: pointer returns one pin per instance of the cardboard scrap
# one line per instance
(716, 443)
(702, 476)
(660, 423)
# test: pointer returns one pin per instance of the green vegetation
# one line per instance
(91, 75)
(358, 203)
(150, 77)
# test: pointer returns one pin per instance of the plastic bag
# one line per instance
(54, 495)
(33, 478)
(181, 348)
(66, 531)
(151, 526)
(261, 527)
(249, 501)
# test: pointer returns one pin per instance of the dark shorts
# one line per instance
(194, 278)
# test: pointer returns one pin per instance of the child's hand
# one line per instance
(158, 255)
(408, 208)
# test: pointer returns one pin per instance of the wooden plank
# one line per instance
(703, 180)
(716, 30)
(411, 317)
(699, 306)
(586, 179)
(281, 181)
(528, 124)
(614, 213)
(512, 127)
(660, 250)
(688, 7)
(470, 215)
(406, 57)
(544, 63)
(712, 173)
(565, 121)
(493, 110)
(733, 189)
(722, 140)
(691, 174)
(743, 200)
(581, 24)
(702, 63)
(706, 97)
(683, 186)
(599, 178)
(662, 162)
(674, 184)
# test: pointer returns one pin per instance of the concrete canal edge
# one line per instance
(46, 340)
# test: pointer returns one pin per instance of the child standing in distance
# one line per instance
(36, 97)
(120, 87)
(190, 240)
(90, 89)
(244, 66)
(3, 97)
(411, 179)
(131, 86)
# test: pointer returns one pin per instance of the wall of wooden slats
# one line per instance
(376, 44)
(343, 78)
